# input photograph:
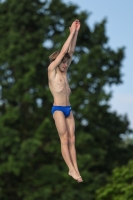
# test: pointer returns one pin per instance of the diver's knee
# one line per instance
(71, 139)
(64, 138)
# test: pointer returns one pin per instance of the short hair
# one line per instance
(54, 55)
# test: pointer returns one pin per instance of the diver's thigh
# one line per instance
(60, 122)
(70, 122)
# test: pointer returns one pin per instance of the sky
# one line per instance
(119, 30)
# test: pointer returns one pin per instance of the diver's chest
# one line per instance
(60, 80)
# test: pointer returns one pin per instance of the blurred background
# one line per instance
(31, 165)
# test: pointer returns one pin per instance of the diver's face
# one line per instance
(63, 66)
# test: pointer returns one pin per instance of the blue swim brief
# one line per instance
(65, 109)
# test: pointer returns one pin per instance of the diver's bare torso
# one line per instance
(59, 87)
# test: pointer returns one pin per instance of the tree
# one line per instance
(31, 164)
(120, 184)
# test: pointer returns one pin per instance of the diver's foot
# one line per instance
(75, 175)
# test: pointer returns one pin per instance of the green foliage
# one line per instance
(31, 166)
(120, 184)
